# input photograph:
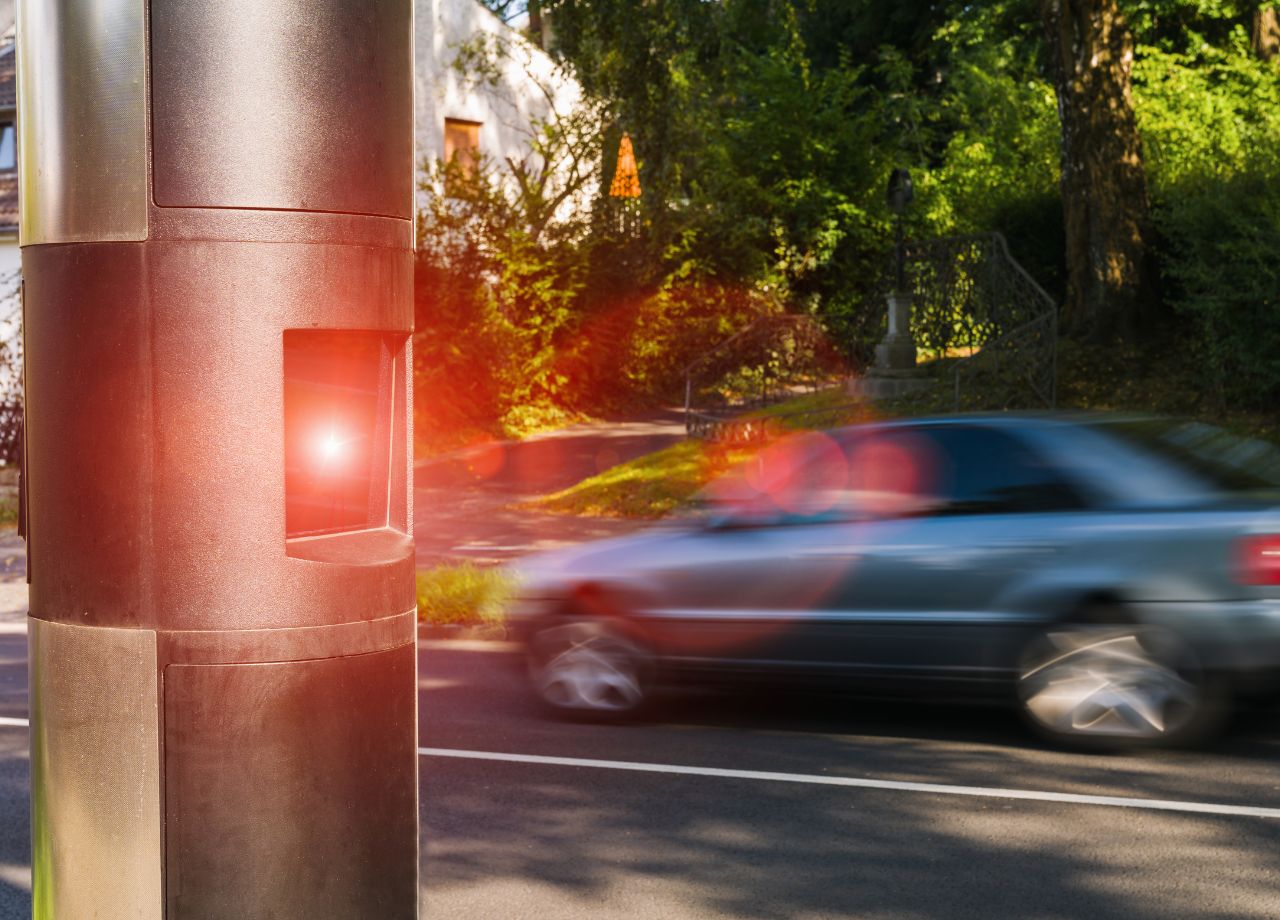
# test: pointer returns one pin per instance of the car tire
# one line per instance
(589, 670)
(1110, 686)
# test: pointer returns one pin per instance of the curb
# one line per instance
(431, 631)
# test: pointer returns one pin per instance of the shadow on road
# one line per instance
(607, 843)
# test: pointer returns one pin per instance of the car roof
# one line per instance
(985, 419)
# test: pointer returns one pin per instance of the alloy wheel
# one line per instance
(588, 669)
(1122, 684)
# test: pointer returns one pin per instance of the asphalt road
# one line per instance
(538, 840)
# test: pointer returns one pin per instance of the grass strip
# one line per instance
(463, 594)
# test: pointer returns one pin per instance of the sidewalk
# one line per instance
(13, 583)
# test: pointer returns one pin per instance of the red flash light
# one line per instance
(337, 429)
(330, 447)
(1259, 560)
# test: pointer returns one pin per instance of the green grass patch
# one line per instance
(463, 594)
(647, 487)
(829, 408)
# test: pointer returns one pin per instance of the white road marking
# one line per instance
(814, 779)
(1067, 798)
(16, 876)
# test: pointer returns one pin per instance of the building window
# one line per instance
(462, 145)
(8, 147)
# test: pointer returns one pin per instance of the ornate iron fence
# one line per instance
(970, 295)
(972, 303)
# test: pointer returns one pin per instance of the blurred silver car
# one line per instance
(1121, 577)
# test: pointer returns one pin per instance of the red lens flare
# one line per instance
(801, 474)
(485, 457)
(892, 474)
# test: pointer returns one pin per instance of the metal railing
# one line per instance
(970, 294)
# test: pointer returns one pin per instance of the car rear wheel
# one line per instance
(1115, 686)
(589, 670)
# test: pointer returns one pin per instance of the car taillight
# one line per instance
(1259, 560)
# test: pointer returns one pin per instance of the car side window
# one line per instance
(980, 470)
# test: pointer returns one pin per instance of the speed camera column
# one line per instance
(217, 252)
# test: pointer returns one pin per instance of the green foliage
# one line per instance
(764, 131)
(1211, 125)
(463, 594)
(636, 348)
(997, 168)
(1187, 25)
(501, 266)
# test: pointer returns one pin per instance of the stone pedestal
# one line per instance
(894, 373)
(897, 351)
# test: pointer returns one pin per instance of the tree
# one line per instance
(1104, 190)
(1265, 31)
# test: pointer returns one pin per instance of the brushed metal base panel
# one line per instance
(82, 104)
(95, 773)
(291, 789)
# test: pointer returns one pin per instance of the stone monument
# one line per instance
(894, 372)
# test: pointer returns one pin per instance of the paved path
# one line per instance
(13, 582)
(464, 504)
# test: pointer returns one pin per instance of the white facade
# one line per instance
(520, 86)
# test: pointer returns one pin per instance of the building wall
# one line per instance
(528, 86)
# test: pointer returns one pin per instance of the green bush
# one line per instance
(1211, 129)
(1222, 262)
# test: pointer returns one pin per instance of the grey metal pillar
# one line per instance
(217, 251)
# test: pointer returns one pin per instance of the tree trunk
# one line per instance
(537, 25)
(1265, 34)
(1104, 191)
